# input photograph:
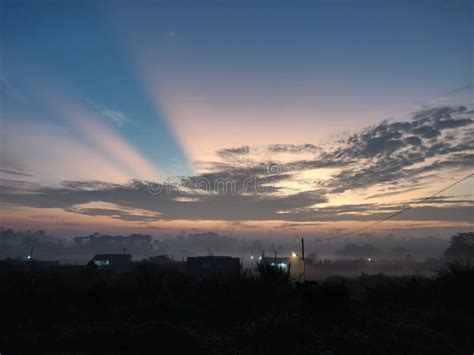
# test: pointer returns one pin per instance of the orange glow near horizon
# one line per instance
(69, 223)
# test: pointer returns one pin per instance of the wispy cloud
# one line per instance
(13, 172)
(117, 117)
(232, 152)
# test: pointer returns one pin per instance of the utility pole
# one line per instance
(302, 259)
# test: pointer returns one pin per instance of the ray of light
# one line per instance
(110, 142)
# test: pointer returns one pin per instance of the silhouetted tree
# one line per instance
(461, 247)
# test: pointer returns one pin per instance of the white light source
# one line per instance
(369, 259)
(293, 254)
(251, 257)
(29, 257)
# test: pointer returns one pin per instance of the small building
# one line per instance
(216, 266)
(119, 262)
(293, 265)
(279, 263)
(160, 260)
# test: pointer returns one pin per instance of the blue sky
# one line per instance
(116, 90)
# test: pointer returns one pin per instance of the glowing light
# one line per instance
(29, 257)
(293, 254)
(369, 259)
(259, 258)
(101, 262)
(251, 257)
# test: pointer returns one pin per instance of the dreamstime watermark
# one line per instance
(261, 182)
(273, 168)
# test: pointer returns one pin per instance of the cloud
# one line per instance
(387, 152)
(169, 206)
(120, 214)
(296, 225)
(232, 152)
(413, 140)
(7, 185)
(168, 203)
(245, 150)
(13, 172)
(117, 117)
(390, 158)
(447, 199)
(292, 148)
(393, 193)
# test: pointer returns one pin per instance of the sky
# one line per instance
(250, 117)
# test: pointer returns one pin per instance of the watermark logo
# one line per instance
(273, 168)
(215, 184)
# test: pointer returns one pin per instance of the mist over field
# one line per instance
(80, 249)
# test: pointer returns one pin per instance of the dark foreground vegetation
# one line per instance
(151, 310)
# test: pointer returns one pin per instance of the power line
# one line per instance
(396, 213)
